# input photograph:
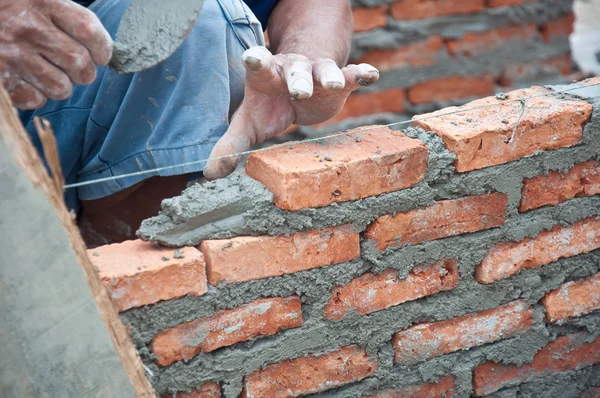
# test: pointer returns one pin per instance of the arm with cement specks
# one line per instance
(302, 83)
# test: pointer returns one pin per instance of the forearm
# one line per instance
(313, 28)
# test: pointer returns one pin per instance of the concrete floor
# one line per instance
(585, 40)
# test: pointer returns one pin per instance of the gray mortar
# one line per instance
(374, 331)
(149, 33)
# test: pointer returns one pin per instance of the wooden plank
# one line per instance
(59, 333)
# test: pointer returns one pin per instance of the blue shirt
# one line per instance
(261, 8)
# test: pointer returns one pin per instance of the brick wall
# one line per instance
(436, 53)
(444, 260)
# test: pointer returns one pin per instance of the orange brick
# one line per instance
(474, 43)
(248, 258)
(566, 353)
(422, 53)
(556, 187)
(311, 374)
(421, 9)
(451, 88)
(370, 292)
(506, 3)
(534, 70)
(138, 273)
(560, 28)
(371, 103)
(206, 390)
(443, 219)
(479, 138)
(444, 388)
(509, 258)
(428, 340)
(366, 19)
(573, 299)
(341, 169)
(262, 317)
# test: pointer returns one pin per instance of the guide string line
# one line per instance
(522, 101)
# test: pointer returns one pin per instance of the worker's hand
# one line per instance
(281, 90)
(46, 46)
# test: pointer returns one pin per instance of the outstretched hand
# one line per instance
(280, 90)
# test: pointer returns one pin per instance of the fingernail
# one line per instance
(334, 85)
(302, 86)
(252, 62)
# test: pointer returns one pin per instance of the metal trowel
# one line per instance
(150, 31)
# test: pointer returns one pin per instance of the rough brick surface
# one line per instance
(370, 292)
(350, 167)
(310, 374)
(573, 299)
(421, 9)
(366, 19)
(138, 273)
(421, 53)
(509, 258)
(445, 218)
(386, 101)
(560, 28)
(506, 3)
(479, 138)
(474, 43)
(206, 390)
(556, 187)
(444, 388)
(260, 318)
(247, 258)
(451, 88)
(428, 340)
(566, 353)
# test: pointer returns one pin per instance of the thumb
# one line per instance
(223, 156)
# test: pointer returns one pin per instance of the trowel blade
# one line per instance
(150, 31)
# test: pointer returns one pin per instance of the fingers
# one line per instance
(297, 71)
(23, 95)
(359, 76)
(83, 26)
(327, 73)
(70, 56)
(223, 163)
(259, 63)
(45, 77)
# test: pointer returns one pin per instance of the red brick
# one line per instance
(474, 43)
(138, 273)
(421, 9)
(422, 53)
(509, 258)
(564, 354)
(370, 292)
(341, 169)
(573, 299)
(556, 187)
(560, 28)
(593, 392)
(451, 88)
(443, 219)
(428, 340)
(444, 388)
(248, 258)
(206, 390)
(262, 317)
(506, 3)
(370, 103)
(479, 137)
(311, 374)
(366, 19)
(512, 74)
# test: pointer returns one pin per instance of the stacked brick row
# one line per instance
(488, 283)
(435, 53)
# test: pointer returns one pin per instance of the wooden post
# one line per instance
(58, 337)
